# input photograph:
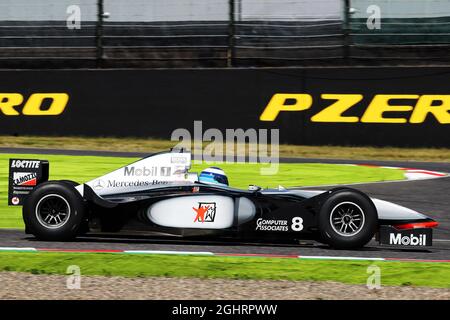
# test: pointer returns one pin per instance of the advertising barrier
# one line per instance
(332, 106)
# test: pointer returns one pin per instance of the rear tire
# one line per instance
(348, 220)
(54, 211)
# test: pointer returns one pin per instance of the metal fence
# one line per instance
(222, 33)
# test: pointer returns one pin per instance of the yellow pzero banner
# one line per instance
(33, 106)
(381, 109)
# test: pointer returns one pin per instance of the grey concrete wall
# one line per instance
(217, 10)
(25, 10)
(403, 8)
(172, 10)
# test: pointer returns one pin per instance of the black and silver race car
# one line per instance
(158, 195)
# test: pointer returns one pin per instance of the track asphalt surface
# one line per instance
(431, 197)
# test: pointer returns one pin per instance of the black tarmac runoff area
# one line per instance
(431, 197)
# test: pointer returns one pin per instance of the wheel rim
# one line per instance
(347, 219)
(52, 211)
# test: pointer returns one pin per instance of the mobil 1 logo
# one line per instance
(420, 237)
(24, 176)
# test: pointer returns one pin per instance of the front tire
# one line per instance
(348, 220)
(54, 211)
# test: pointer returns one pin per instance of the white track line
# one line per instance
(340, 258)
(202, 253)
(169, 252)
(16, 249)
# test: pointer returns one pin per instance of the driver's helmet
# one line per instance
(213, 175)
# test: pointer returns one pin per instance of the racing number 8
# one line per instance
(297, 224)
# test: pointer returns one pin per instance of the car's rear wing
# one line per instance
(24, 176)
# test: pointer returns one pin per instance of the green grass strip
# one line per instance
(149, 145)
(106, 264)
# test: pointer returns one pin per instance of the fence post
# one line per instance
(99, 33)
(231, 33)
(346, 30)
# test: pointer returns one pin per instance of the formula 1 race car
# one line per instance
(158, 194)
